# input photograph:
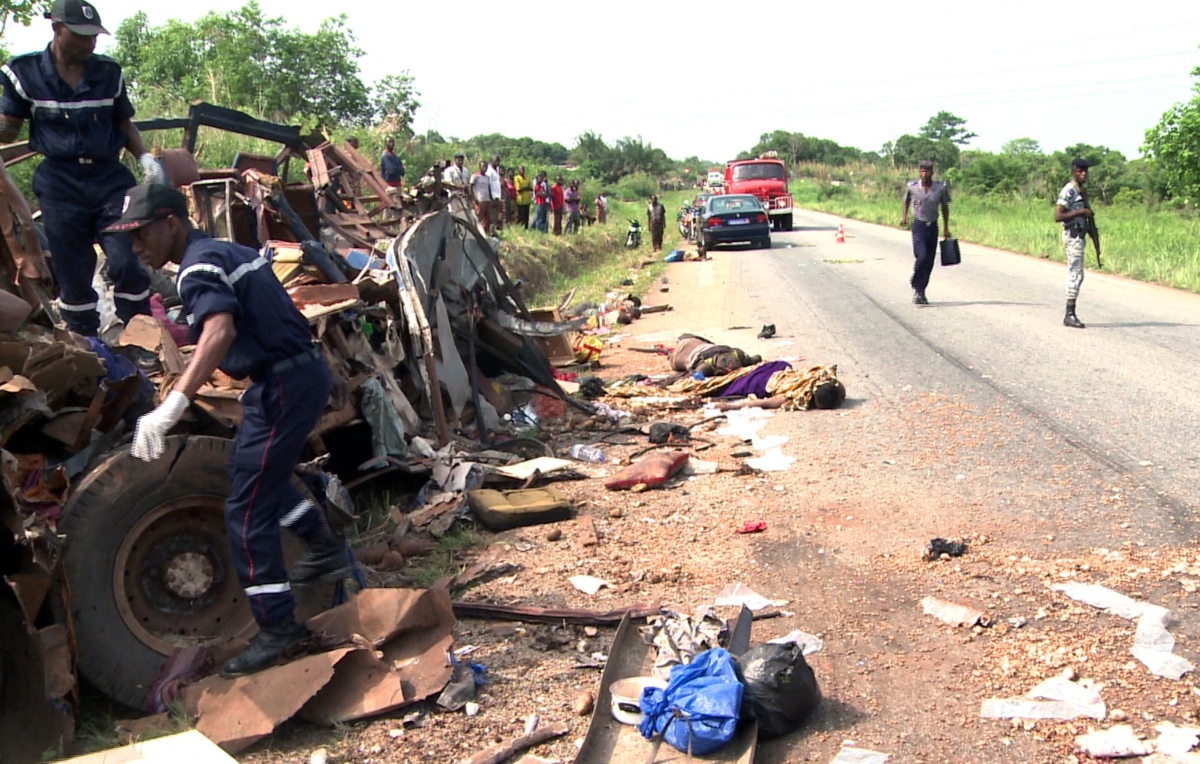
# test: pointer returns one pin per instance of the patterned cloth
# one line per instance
(1074, 246)
(798, 386)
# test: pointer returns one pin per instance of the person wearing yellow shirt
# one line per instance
(524, 187)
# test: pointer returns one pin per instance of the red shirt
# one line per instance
(556, 197)
(512, 188)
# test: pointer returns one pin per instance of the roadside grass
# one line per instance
(447, 559)
(594, 261)
(1158, 246)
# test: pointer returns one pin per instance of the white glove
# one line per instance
(149, 440)
(152, 171)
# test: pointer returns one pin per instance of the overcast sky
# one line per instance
(707, 78)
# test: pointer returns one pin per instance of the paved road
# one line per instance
(980, 414)
(1122, 393)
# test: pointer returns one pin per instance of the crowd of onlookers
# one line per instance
(509, 196)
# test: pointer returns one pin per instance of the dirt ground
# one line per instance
(846, 525)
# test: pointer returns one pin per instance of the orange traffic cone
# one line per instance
(841, 234)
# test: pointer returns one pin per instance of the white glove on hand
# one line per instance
(149, 440)
(152, 171)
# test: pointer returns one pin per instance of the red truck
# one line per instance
(766, 178)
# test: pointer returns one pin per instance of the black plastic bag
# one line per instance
(781, 688)
(667, 432)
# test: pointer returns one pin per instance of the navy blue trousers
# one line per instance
(925, 247)
(279, 412)
(77, 201)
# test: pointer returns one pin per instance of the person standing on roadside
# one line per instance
(497, 189)
(481, 187)
(556, 204)
(602, 207)
(656, 218)
(524, 188)
(80, 118)
(926, 196)
(541, 195)
(456, 178)
(571, 199)
(510, 195)
(1075, 215)
(390, 166)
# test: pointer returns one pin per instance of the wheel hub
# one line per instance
(189, 575)
(174, 579)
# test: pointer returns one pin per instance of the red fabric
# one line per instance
(556, 197)
(654, 470)
(752, 526)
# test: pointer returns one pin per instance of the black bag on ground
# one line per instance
(781, 688)
(950, 253)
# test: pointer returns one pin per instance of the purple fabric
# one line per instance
(755, 383)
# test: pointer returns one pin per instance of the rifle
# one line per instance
(1093, 232)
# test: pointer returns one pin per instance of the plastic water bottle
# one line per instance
(586, 453)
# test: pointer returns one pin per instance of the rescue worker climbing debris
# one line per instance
(80, 118)
(245, 324)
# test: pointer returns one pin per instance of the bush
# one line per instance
(1130, 197)
(832, 190)
(635, 187)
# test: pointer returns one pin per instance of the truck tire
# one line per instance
(148, 564)
(786, 222)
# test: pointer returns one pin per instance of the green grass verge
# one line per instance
(1158, 246)
(593, 261)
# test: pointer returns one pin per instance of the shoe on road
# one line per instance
(919, 299)
(1072, 320)
(269, 646)
(768, 331)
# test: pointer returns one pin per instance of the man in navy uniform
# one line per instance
(79, 118)
(245, 324)
(926, 197)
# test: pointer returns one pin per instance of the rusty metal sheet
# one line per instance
(235, 713)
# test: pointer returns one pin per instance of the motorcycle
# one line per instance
(634, 239)
(683, 217)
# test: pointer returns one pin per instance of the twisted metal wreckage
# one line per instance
(110, 564)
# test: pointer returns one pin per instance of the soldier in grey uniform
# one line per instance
(1073, 212)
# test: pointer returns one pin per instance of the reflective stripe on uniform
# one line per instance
(297, 512)
(85, 306)
(229, 278)
(254, 591)
(132, 297)
(15, 80)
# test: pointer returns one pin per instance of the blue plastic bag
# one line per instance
(700, 704)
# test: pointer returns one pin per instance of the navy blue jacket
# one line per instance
(221, 277)
(66, 123)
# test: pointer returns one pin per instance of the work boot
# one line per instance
(1071, 320)
(919, 298)
(269, 645)
(324, 560)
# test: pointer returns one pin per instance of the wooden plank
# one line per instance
(587, 531)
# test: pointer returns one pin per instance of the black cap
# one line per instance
(80, 16)
(925, 163)
(1081, 163)
(145, 204)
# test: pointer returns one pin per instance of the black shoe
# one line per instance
(269, 645)
(1072, 320)
(768, 331)
(324, 560)
(919, 298)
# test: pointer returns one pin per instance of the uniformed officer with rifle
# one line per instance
(1078, 220)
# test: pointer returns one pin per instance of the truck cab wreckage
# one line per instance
(111, 564)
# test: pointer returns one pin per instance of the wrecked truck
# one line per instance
(111, 564)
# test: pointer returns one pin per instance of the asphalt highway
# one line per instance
(1122, 394)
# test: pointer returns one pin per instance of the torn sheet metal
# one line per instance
(414, 629)
(453, 373)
